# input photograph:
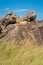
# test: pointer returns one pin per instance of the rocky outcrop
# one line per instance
(20, 29)
(10, 18)
(31, 16)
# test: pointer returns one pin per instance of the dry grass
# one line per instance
(27, 54)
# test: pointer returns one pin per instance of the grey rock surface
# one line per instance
(18, 33)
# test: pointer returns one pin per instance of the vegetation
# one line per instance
(26, 54)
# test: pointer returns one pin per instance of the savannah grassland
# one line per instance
(26, 54)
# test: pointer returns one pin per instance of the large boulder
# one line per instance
(10, 18)
(31, 16)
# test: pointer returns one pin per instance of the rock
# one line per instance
(0, 29)
(9, 13)
(24, 29)
(10, 18)
(31, 16)
(19, 19)
(1, 25)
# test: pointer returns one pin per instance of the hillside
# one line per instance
(17, 29)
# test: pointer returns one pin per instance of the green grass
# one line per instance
(21, 55)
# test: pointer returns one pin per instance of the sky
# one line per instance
(22, 7)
